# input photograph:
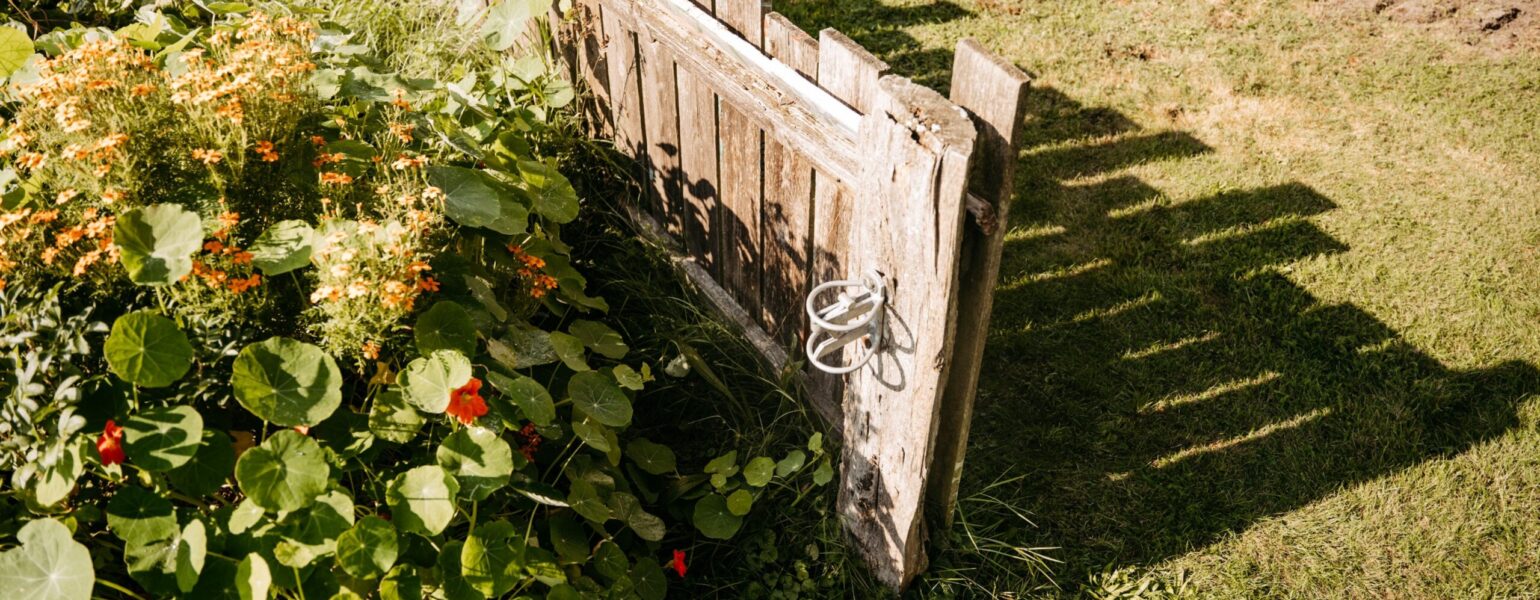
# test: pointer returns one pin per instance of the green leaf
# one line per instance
(650, 582)
(137, 515)
(628, 509)
(490, 561)
(740, 502)
(599, 338)
(714, 519)
(284, 247)
(210, 467)
(569, 539)
(427, 381)
(528, 346)
(252, 578)
(725, 465)
(599, 397)
(309, 534)
(507, 21)
(759, 471)
(422, 500)
(15, 48)
(552, 195)
(156, 243)
(791, 464)
(287, 382)
(584, 500)
(191, 551)
(651, 457)
(473, 200)
(451, 578)
(54, 483)
(147, 349)
(610, 561)
(49, 564)
(392, 419)
(162, 439)
(245, 516)
(368, 549)
(401, 583)
(570, 350)
(533, 400)
(824, 474)
(594, 434)
(628, 378)
(446, 326)
(285, 473)
(480, 459)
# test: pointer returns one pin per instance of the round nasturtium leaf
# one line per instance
(427, 381)
(739, 502)
(15, 48)
(532, 399)
(287, 382)
(550, 192)
(651, 457)
(284, 247)
(599, 397)
(48, 565)
(392, 419)
(252, 578)
(312, 533)
(162, 439)
(401, 583)
(480, 459)
(490, 560)
(209, 468)
(191, 551)
(285, 473)
(147, 349)
(713, 518)
(156, 242)
(422, 500)
(472, 199)
(368, 549)
(599, 338)
(446, 326)
(137, 515)
(759, 471)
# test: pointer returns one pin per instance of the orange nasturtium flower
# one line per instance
(466, 403)
(110, 445)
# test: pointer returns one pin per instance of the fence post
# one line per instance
(994, 93)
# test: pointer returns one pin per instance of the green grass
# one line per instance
(1267, 318)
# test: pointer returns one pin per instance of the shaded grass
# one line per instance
(1266, 319)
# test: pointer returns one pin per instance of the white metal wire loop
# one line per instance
(855, 315)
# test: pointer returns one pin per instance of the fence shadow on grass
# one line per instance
(1152, 370)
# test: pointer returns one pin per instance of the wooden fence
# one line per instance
(774, 161)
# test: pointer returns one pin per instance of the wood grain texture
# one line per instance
(850, 73)
(745, 17)
(911, 205)
(777, 98)
(698, 144)
(994, 93)
(660, 120)
(741, 246)
(787, 216)
(623, 77)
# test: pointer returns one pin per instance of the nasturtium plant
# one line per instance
(427, 381)
(137, 515)
(156, 243)
(480, 459)
(162, 439)
(369, 549)
(15, 49)
(285, 473)
(599, 338)
(148, 350)
(598, 396)
(284, 247)
(287, 382)
(208, 469)
(48, 564)
(529, 398)
(714, 518)
(423, 499)
(473, 199)
(446, 326)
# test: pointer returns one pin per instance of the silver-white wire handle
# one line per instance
(852, 317)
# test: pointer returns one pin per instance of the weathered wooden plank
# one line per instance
(994, 92)
(739, 219)
(581, 44)
(745, 17)
(625, 93)
(788, 209)
(851, 74)
(660, 121)
(910, 202)
(698, 144)
(776, 97)
(847, 70)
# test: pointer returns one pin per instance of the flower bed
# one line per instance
(281, 318)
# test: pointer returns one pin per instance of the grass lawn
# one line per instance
(1267, 324)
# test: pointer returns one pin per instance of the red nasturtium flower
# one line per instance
(110, 445)
(679, 563)
(529, 441)
(466, 403)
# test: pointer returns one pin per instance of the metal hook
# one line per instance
(851, 318)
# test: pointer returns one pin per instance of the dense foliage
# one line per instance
(283, 317)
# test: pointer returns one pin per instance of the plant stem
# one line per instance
(119, 589)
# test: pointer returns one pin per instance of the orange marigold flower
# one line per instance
(371, 350)
(111, 196)
(31, 160)
(336, 178)
(213, 246)
(209, 157)
(229, 219)
(427, 284)
(318, 140)
(66, 196)
(143, 89)
(265, 149)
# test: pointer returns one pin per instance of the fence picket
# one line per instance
(660, 122)
(788, 209)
